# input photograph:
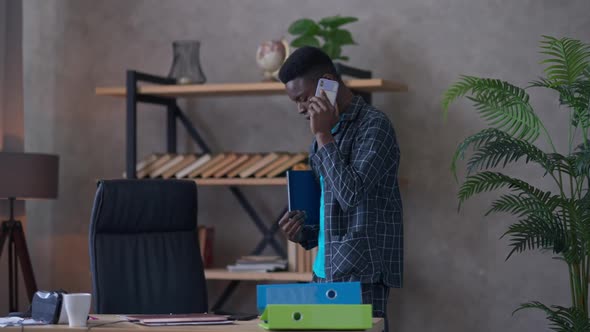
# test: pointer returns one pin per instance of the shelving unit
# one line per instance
(146, 88)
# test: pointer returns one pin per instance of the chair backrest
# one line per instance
(144, 249)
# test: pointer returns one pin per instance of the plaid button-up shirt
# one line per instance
(363, 207)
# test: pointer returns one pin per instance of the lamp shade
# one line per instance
(28, 175)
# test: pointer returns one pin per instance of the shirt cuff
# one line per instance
(309, 236)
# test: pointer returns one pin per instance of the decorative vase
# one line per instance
(186, 66)
(270, 57)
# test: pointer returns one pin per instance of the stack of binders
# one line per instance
(314, 306)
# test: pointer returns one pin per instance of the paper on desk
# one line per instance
(9, 321)
(224, 322)
(17, 321)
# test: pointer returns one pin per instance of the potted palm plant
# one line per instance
(557, 220)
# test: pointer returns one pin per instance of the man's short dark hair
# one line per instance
(308, 62)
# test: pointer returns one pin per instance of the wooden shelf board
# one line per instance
(280, 181)
(241, 182)
(240, 89)
(223, 274)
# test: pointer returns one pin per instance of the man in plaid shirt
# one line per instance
(355, 156)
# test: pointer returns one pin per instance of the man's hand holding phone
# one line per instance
(323, 117)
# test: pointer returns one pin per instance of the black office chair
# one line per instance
(144, 251)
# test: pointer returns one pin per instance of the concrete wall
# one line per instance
(11, 73)
(11, 114)
(456, 276)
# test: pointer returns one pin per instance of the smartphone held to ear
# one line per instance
(330, 87)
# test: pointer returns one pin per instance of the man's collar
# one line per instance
(351, 112)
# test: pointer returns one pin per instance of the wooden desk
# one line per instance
(245, 326)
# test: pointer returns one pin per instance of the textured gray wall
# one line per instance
(11, 77)
(456, 276)
(11, 115)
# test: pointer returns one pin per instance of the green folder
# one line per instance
(317, 317)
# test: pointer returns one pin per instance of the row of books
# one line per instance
(221, 165)
(257, 263)
(299, 259)
(205, 235)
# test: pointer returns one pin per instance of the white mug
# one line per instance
(77, 307)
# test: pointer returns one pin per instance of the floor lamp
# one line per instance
(23, 176)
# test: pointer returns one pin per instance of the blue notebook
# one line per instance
(310, 293)
(304, 194)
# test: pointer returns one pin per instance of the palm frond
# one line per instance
(476, 140)
(501, 104)
(537, 232)
(520, 205)
(506, 107)
(562, 319)
(542, 82)
(574, 216)
(577, 213)
(465, 85)
(561, 163)
(584, 232)
(569, 59)
(580, 160)
(546, 222)
(580, 90)
(488, 181)
(575, 96)
(507, 149)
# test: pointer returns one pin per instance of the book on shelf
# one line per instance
(300, 167)
(299, 259)
(292, 256)
(229, 158)
(311, 254)
(145, 162)
(228, 164)
(292, 161)
(188, 159)
(202, 160)
(270, 167)
(205, 236)
(258, 264)
(253, 159)
(211, 163)
(269, 158)
(153, 165)
(307, 260)
(231, 166)
(142, 164)
(176, 159)
(257, 259)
